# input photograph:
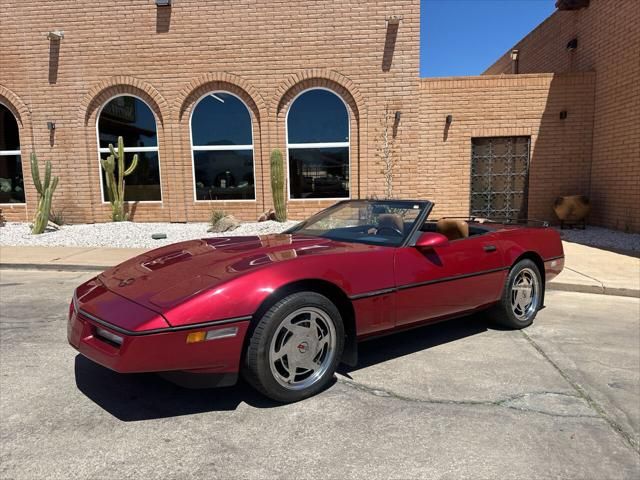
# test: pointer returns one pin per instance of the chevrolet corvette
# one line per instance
(284, 310)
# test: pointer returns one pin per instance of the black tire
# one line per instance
(505, 313)
(258, 369)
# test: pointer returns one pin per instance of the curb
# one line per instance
(595, 289)
(54, 267)
(559, 286)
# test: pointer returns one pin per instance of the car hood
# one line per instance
(165, 277)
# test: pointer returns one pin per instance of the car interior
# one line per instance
(452, 228)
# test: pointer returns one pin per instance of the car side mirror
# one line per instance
(431, 240)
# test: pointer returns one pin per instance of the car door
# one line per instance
(461, 276)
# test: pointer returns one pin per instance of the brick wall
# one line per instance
(511, 105)
(263, 51)
(608, 43)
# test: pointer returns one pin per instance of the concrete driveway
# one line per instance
(454, 400)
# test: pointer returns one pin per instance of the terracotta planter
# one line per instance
(572, 210)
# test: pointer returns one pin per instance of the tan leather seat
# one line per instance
(390, 220)
(452, 229)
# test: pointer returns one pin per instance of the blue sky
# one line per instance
(464, 37)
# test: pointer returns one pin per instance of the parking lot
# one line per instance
(453, 400)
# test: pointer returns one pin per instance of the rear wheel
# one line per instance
(295, 348)
(521, 297)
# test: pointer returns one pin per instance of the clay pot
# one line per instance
(573, 208)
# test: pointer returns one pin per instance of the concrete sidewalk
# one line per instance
(587, 269)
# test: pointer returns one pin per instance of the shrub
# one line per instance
(216, 216)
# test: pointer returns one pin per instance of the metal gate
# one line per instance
(499, 177)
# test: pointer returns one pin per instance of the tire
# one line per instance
(521, 297)
(301, 332)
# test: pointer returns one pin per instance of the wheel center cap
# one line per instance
(303, 347)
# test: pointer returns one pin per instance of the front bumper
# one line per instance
(157, 351)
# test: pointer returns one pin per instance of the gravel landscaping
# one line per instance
(603, 238)
(126, 234)
(133, 235)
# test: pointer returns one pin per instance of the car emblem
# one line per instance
(302, 347)
(124, 283)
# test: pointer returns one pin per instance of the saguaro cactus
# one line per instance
(115, 188)
(45, 193)
(277, 185)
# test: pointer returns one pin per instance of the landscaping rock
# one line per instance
(225, 224)
(268, 215)
(158, 236)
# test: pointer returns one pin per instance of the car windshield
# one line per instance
(377, 222)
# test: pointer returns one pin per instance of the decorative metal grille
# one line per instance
(499, 177)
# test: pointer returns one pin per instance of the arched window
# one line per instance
(11, 180)
(132, 119)
(222, 146)
(318, 145)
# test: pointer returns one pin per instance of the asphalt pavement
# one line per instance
(459, 399)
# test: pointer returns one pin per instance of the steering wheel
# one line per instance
(393, 230)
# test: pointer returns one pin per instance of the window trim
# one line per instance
(128, 150)
(13, 153)
(221, 148)
(317, 145)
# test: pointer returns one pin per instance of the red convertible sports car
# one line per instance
(284, 310)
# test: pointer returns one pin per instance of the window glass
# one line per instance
(222, 148)
(221, 119)
(318, 116)
(319, 172)
(132, 119)
(224, 175)
(318, 146)
(11, 179)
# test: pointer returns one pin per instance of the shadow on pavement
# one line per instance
(145, 396)
(135, 397)
(398, 345)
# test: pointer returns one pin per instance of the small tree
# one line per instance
(386, 150)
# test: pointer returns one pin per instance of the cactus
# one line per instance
(277, 185)
(45, 193)
(115, 188)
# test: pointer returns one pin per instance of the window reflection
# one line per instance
(224, 175)
(318, 116)
(319, 172)
(129, 118)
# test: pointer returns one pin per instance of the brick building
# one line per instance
(202, 92)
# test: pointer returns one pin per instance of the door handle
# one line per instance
(489, 248)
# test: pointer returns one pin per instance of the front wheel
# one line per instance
(521, 297)
(295, 348)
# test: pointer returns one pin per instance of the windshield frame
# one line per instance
(425, 209)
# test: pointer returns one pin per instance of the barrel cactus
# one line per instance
(277, 185)
(45, 191)
(115, 187)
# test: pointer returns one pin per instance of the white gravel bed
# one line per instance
(603, 238)
(126, 234)
(138, 235)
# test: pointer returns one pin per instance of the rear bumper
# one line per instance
(157, 351)
(553, 267)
